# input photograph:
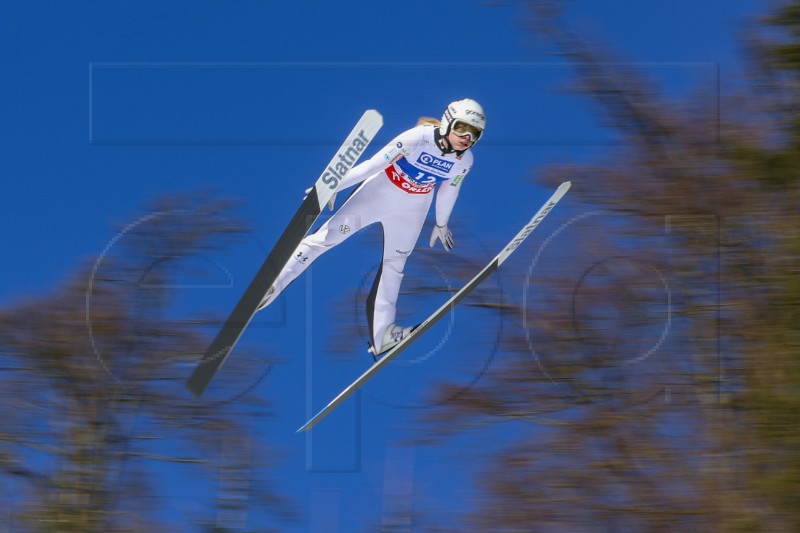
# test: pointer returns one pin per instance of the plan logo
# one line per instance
(431, 161)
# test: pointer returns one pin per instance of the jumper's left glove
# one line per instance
(444, 234)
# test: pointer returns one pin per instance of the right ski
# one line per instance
(445, 308)
(323, 190)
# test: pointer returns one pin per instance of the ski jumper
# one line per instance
(397, 189)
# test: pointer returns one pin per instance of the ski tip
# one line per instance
(195, 389)
(373, 114)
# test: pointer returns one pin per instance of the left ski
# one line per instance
(444, 309)
(323, 191)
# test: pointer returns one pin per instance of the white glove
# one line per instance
(444, 234)
(331, 202)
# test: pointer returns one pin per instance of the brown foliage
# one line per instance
(702, 433)
(95, 411)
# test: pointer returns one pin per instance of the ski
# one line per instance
(445, 308)
(322, 192)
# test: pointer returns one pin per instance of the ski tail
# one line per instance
(324, 189)
(479, 278)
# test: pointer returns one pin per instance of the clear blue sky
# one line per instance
(107, 105)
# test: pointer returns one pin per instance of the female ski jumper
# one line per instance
(397, 189)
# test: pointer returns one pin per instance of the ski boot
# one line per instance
(391, 338)
(267, 298)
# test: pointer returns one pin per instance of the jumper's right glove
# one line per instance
(444, 234)
(331, 202)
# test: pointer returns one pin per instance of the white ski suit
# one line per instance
(397, 191)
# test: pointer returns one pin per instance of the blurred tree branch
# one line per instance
(93, 388)
(702, 434)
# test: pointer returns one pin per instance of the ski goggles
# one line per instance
(462, 129)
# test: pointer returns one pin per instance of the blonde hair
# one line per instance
(428, 120)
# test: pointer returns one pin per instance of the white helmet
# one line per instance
(468, 111)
